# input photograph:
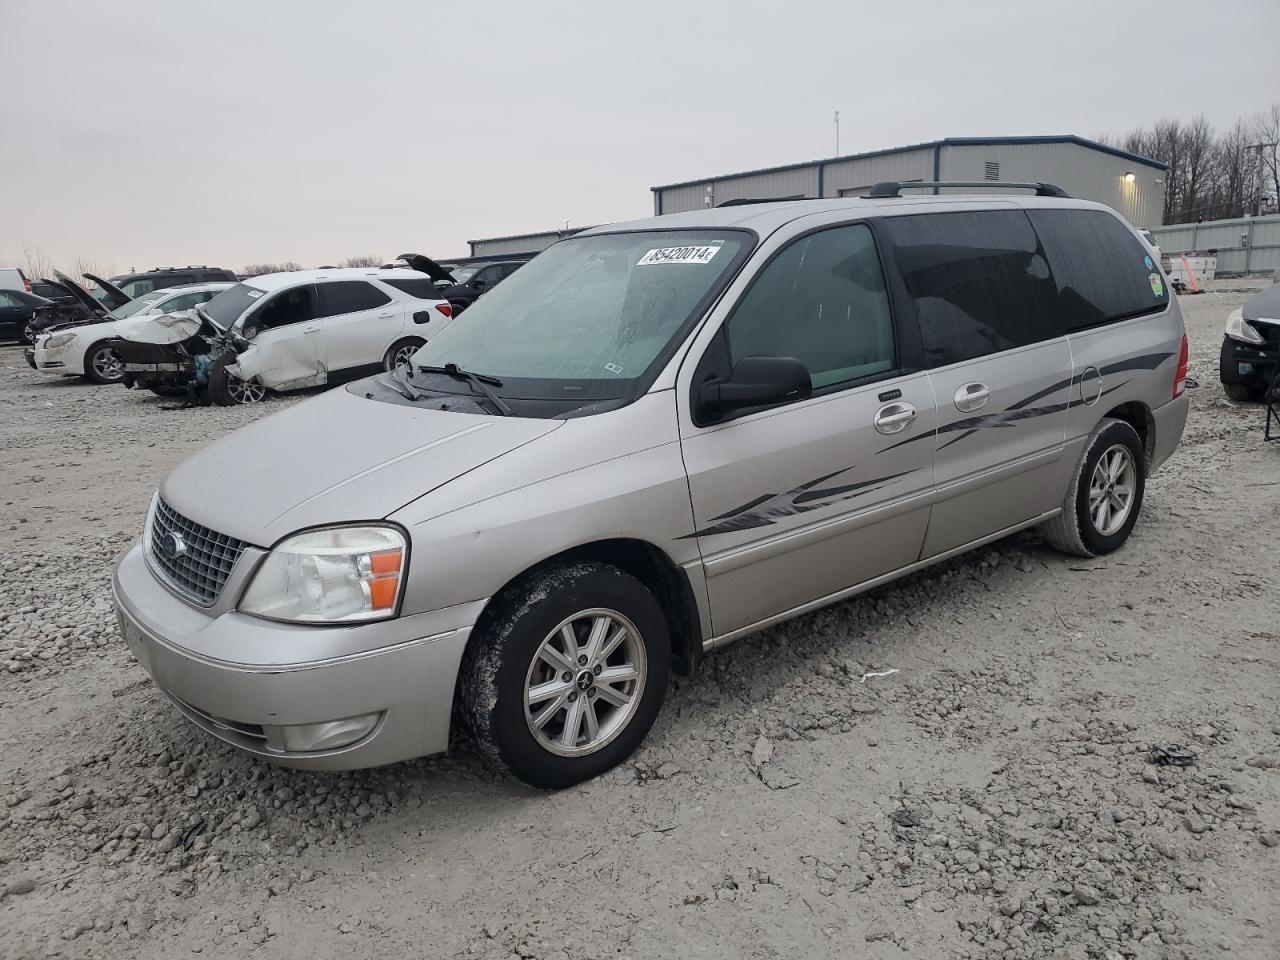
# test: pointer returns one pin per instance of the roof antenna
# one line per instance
(837, 153)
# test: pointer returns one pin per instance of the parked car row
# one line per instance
(230, 343)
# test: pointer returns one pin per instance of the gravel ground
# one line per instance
(993, 797)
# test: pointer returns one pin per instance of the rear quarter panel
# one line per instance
(1136, 361)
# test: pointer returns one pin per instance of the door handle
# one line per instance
(972, 396)
(385, 315)
(894, 417)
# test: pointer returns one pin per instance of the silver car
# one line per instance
(655, 438)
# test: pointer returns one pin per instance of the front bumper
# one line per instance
(1245, 363)
(241, 679)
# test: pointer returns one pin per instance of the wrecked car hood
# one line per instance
(335, 458)
(1264, 306)
(162, 329)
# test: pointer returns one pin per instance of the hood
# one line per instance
(1264, 306)
(159, 328)
(81, 294)
(332, 459)
(428, 266)
(114, 296)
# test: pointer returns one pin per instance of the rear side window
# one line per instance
(821, 300)
(1103, 271)
(422, 289)
(979, 281)
(349, 296)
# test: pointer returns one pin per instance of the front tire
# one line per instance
(101, 365)
(228, 390)
(566, 674)
(1243, 392)
(1105, 494)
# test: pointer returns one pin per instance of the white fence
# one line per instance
(1247, 245)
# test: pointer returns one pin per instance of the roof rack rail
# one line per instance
(892, 188)
(743, 201)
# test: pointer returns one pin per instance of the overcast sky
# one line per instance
(139, 133)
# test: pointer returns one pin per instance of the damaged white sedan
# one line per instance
(287, 331)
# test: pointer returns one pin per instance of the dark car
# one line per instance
(52, 290)
(462, 284)
(18, 309)
(1250, 358)
(473, 280)
(81, 307)
(136, 284)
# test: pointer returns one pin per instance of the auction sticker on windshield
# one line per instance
(701, 254)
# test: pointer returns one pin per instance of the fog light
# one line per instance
(310, 737)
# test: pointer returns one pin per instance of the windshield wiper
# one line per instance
(478, 381)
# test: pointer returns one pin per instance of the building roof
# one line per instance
(930, 145)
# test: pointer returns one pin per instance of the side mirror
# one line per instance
(757, 382)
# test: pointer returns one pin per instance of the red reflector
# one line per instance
(1180, 377)
(445, 308)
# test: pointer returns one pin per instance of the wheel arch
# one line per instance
(650, 565)
(1138, 415)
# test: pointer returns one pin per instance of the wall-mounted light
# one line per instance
(1130, 177)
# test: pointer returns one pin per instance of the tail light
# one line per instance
(1180, 378)
(446, 309)
(27, 283)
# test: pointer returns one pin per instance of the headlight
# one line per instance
(1238, 328)
(151, 519)
(55, 340)
(337, 575)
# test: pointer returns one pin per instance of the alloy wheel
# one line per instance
(245, 391)
(1111, 489)
(585, 682)
(106, 365)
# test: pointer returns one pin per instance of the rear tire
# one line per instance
(228, 390)
(101, 365)
(1243, 392)
(589, 723)
(1102, 503)
(400, 351)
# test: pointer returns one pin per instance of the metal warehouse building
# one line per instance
(1131, 184)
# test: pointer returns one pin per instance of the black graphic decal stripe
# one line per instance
(768, 509)
(1021, 411)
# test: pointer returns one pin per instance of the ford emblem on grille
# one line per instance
(171, 545)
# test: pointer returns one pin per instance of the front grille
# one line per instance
(201, 565)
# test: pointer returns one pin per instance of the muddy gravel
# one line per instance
(1010, 791)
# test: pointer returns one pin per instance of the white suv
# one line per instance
(289, 331)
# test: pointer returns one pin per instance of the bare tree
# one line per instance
(258, 269)
(362, 262)
(35, 264)
(1196, 155)
(1237, 173)
(1266, 132)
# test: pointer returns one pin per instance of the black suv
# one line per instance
(473, 279)
(136, 284)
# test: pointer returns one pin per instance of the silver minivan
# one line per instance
(655, 438)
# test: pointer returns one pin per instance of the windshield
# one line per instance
(588, 317)
(226, 308)
(134, 306)
(463, 274)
